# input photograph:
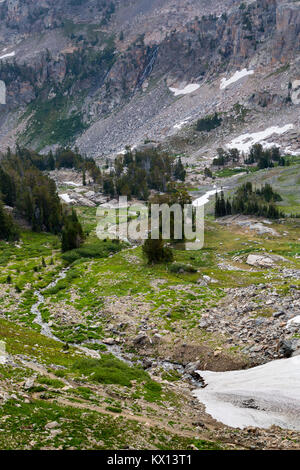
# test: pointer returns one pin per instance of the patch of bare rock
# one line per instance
(261, 227)
(257, 319)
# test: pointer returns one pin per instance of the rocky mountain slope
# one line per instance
(104, 74)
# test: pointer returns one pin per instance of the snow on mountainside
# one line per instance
(105, 75)
(237, 76)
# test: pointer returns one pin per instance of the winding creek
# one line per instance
(45, 327)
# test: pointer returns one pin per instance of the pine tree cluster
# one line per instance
(262, 158)
(32, 195)
(249, 201)
(136, 173)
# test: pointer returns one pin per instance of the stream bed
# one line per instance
(45, 328)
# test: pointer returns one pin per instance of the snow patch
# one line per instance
(201, 201)
(182, 123)
(185, 91)
(245, 141)
(294, 321)
(66, 198)
(261, 397)
(237, 76)
(289, 151)
(71, 183)
(10, 54)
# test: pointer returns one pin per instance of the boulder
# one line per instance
(260, 261)
(192, 367)
(156, 339)
(52, 425)
(141, 340)
(109, 341)
(285, 348)
(29, 383)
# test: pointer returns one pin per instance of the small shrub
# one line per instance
(152, 391)
(99, 249)
(157, 252)
(110, 370)
(55, 383)
(178, 267)
(208, 123)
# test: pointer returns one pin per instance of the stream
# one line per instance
(115, 350)
(45, 328)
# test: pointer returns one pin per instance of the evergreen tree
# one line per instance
(156, 251)
(222, 205)
(207, 173)
(260, 202)
(179, 171)
(8, 229)
(72, 233)
(228, 207)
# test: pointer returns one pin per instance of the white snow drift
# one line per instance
(6, 56)
(182, 123)
(245, 141)
(66, 198)
(237, 76)
(185, 91)
(294, 321)
(71, 183)
(263, 396)
(201, 201)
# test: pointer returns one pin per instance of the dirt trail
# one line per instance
(84, 405)
(150, 422)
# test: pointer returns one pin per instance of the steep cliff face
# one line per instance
(98, 73)
(287, 31)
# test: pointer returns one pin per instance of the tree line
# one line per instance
(262, 158)
(250, 201)
(32, 196)
(137, 172)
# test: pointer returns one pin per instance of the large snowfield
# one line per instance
(263, 396)
(245, 141)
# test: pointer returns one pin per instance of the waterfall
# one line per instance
(152, 56)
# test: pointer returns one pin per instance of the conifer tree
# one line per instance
(72, 233)
(156, 251)
(8, 229)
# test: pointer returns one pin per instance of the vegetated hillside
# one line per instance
(100, 73)
(210, 309)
